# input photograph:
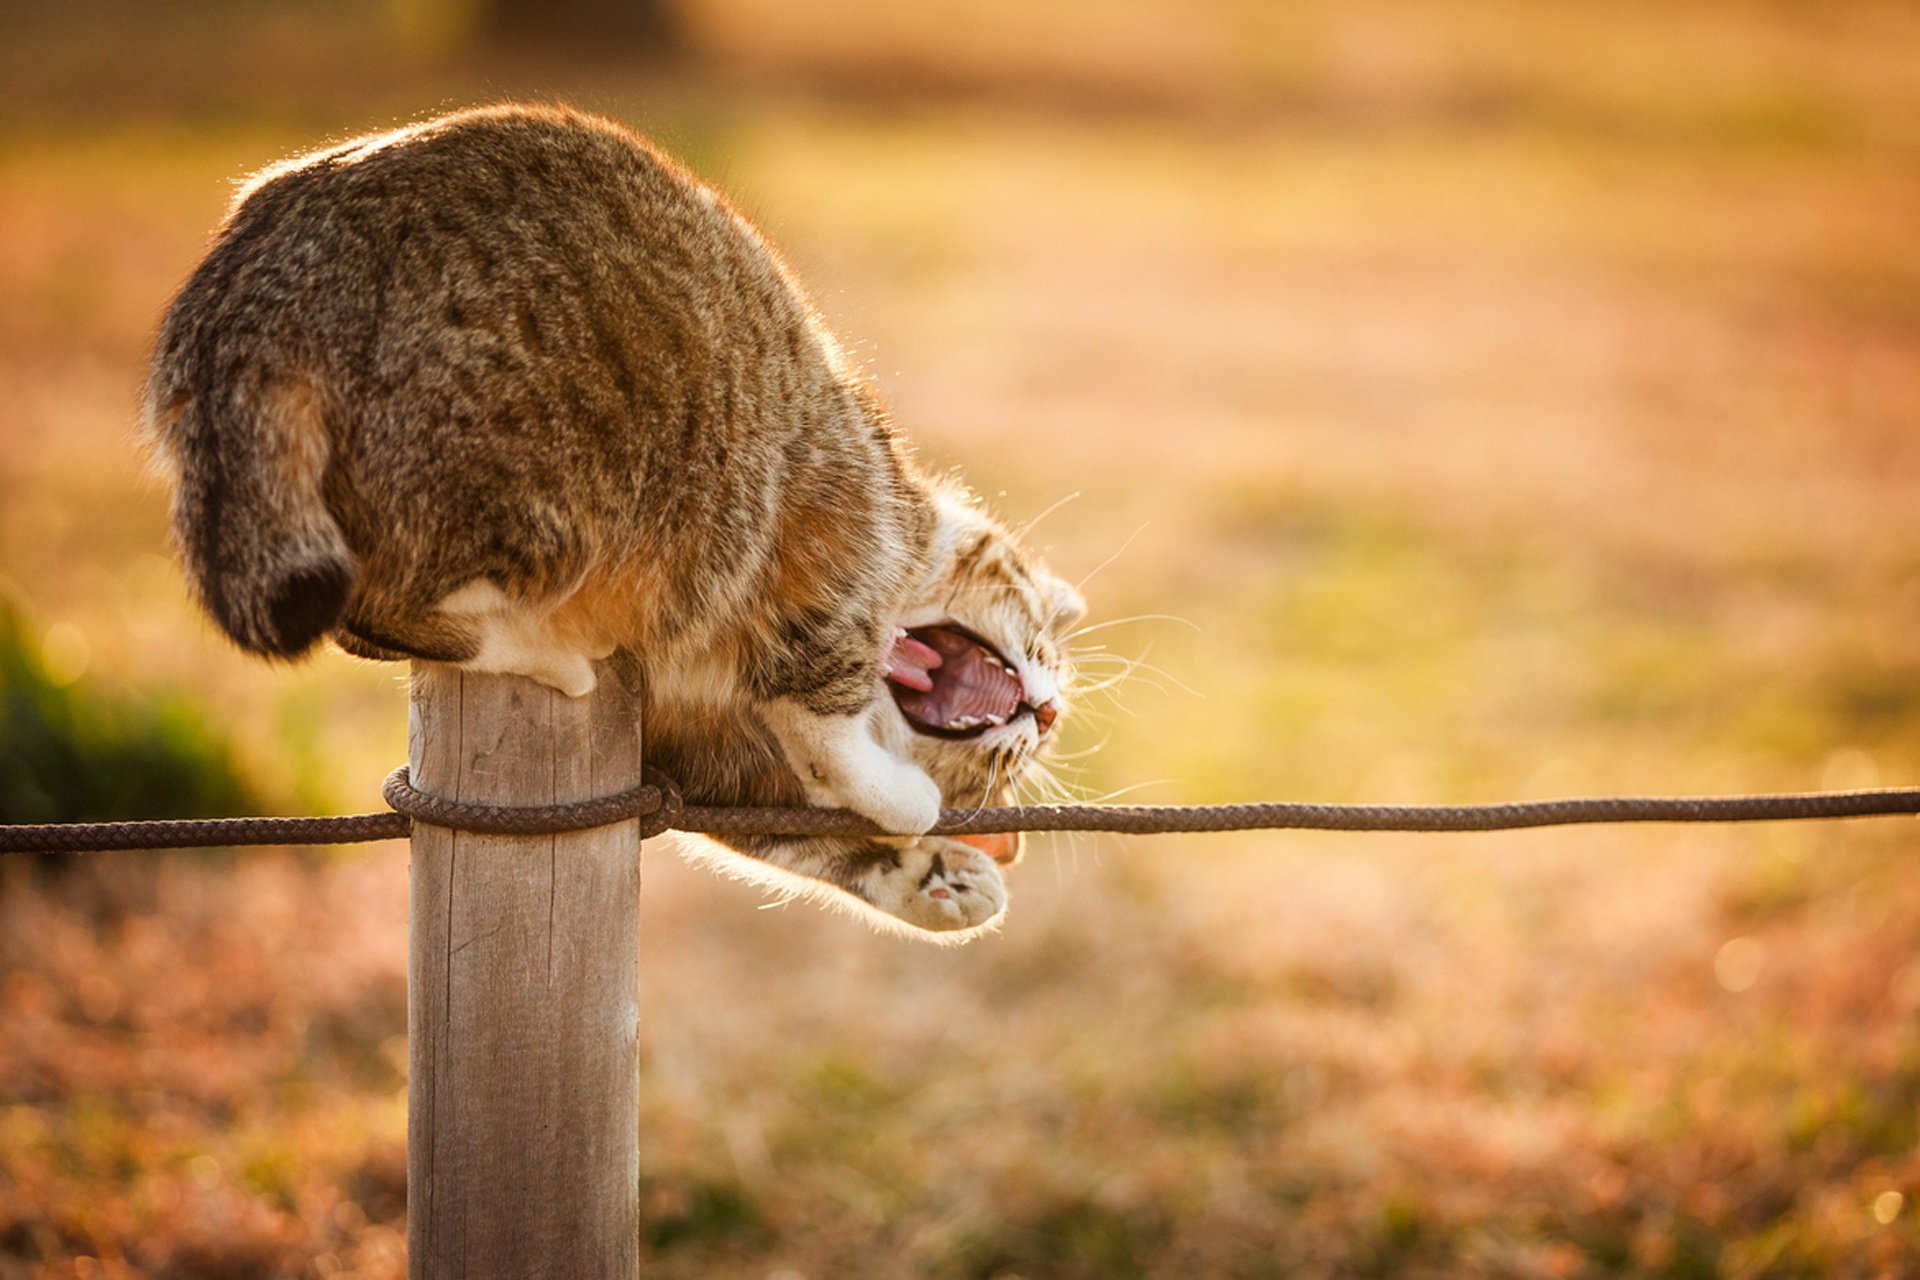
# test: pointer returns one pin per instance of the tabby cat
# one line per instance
(511, 390)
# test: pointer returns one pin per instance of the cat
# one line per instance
(510, 389)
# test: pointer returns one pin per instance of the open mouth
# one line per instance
(949, 683)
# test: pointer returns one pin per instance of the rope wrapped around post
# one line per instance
(655, 804)
(658, 806)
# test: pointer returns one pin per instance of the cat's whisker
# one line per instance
(1106, 685)
(1097, 715)
(1072, 792)
(1062, 766)
(1067, 757)
(1048, 783)
(1046, 795)
(986, 794)
(1106, 659)
(1121, 673)
(1097, 656)
(1137, 665)
(1042, 784)
(1109, 661)
(1056, 792)
(1106, 676)
(1129, 790)
(1084, 712)
(1029, 782)
(1101, 661)
(1138, 617)
(1112, 705)
(1020, 534)
(1094, 669)
(1082, 584)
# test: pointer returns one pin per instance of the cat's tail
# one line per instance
(262, 553)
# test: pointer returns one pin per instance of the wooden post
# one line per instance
(523, 988)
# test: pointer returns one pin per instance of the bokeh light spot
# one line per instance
(1737, 964)
(65, 653)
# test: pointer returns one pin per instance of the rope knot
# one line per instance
(656, 804)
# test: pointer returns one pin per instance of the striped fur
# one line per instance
(510, 389)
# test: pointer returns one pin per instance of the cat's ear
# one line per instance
(1066, 609)
(1003, 847)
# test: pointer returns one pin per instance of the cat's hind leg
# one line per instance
(513, 638)
(937, 884)
(388, 629)
(932, 884)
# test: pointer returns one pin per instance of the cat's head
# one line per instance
(980, 667)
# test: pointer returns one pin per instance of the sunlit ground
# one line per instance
(1565, 444)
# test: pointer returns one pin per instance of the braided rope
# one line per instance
(657, 806)
(656, 800)
(199, 833)
(1166, 819)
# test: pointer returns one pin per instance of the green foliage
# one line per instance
(702, 1213)
(75, 752)
(1070, 1235)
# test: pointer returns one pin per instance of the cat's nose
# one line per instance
(1046, 713)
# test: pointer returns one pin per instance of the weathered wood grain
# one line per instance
(522, 989)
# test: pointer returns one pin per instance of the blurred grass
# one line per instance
(1512, 400)
(72, 753)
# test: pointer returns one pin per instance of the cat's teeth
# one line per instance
(996, 721)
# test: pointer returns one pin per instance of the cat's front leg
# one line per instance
(841, 766)
(938, 884)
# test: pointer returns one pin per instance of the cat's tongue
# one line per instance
(911, 663)
(945, 680)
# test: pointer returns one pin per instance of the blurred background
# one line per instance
(1475, 401)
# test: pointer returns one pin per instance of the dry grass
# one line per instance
(1518, 405)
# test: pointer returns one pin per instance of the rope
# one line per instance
(656, 801)
(657, 805)
(199, 833)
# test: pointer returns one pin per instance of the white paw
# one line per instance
(572, 675)
(516, 641)
(841, 767)
(900, 798)
(940, 885)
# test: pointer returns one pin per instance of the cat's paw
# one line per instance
(571, 674)
(897, 795)
(513, 640)
(940, 885)
(840, 766)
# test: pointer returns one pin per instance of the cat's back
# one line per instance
(541, 179)
(556, 231)
(459, 351)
